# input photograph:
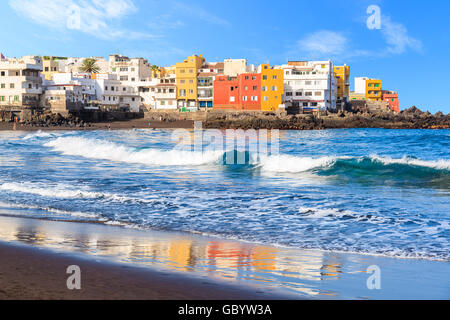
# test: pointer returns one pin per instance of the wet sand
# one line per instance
(125, 263)
(28, 273)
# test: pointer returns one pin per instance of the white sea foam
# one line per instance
(59, 191)
(435, 164)
(294, 164)
(38, 134)
(105, 150)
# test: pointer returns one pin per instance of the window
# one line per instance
(191, 91)
(274, 88)
(247, 77)
(314, 104)
(274, 77)
(182, 71)
(244, 98)
(318, 93)
(232, 99)
(182, 93)
(264, 77)
(16, 98)
(308, 83)
(11, 85)
(2, 73)
(255, 88)
(264, 88)
(3, 86)
(133, 79)
(253, 78)
(123, 78)
(191, 71)
(232, 88)
(266, 98)
(133, 99)
(305, 104)
(30, 86)
(308, 94)
(46, 69)
(183, 81)
(288, 94)
(299, 93)
(254, 98)
(106, 88)
(123, 69)
(191, 81)
(245, 88)
(2, 98)
(377, 85)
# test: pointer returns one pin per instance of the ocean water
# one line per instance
(370, 191)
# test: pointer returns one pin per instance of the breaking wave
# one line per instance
(283, 163)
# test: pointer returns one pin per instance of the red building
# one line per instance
(391, 98)
(238, 93)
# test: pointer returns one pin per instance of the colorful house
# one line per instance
(238, 93)
(342, 76)
(186, 75)
(371, 88)
(272, 87)
(391, 98)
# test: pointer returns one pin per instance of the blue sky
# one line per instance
(410, 52)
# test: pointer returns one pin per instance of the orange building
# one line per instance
(238, 93)
(391, 98)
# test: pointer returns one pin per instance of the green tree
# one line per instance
(155, 70)
(90, 66)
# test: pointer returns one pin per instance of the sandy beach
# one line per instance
(28, 273)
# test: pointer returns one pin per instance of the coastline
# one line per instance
(120, 263)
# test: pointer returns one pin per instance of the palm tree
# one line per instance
(89, 66)
(155, 70)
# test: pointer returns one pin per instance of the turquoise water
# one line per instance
(383, 192)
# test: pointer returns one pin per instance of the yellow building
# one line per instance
(373, 90)
(357, 96)
(50, 67)
(342, 75)
(272, 88)
(186, 73)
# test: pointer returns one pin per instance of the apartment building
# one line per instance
(130, 70)
(309, 85)
(272, 87)
(342, 77)
(63, 98)
(20, 81)
(205, 83)
(166, 93)
(371, 88)
(187, 82)
(112, 94)
(242, 92)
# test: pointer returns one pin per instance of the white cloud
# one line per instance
(326, 44)
(397, 38)
(323, 43)
(199, 13)
(95, 17)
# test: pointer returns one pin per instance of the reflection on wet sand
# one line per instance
(228, 260)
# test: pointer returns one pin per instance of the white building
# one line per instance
(234, 67)
(309, 85)
(113, 94)
(72, 65)
(360, 85)
(20, 81)
(166, 93)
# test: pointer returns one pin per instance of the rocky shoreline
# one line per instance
(412, 118)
